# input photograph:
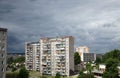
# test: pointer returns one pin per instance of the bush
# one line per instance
(57, 75)
(23, 73)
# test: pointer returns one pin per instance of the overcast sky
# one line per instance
(93, 23)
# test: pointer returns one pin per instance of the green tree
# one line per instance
(89, 70)
(115, 54)
(77, 59)
(20, 59)
(57, 75)
(81, 75)
(98, 60)
(111, 68)
(10, 60)
(23, 73)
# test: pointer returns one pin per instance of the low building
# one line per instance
(102, 67)
(99, 73)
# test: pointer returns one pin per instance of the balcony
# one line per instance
(46, 49)
(60, 49)
(44, 63)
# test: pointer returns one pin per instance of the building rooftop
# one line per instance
(3, 29)
(56, 37)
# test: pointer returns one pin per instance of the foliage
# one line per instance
(82, 75)
(57, 75)
(10, 60)
(17, 60)
(89, 67)
(20, 59)
(14, 64)
(23, 73)
(89, 70)
(115, 54)
(111, 68)
(77, 59)
(11, 75)
(14, 69)
(98, 60)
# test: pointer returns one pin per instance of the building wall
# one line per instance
(71, 55)
(32, 56)
(3, 51)
(81, 50)
(102, 67)
(89, 57)
(61, 55)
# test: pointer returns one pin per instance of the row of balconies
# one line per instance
(61, 49)
(60, 65)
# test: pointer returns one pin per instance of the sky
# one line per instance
(92, 23)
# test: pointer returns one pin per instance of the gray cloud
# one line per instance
(93, 23)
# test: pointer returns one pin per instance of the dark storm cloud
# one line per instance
(14, 44)
(93, 23)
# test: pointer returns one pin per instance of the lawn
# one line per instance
(34, 74)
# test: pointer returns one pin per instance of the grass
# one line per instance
(11, 74)
(34, 74)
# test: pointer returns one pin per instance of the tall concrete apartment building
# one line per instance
(32, 56)
(81, 50)
(57, 55)
(51, 55)
(3, 52)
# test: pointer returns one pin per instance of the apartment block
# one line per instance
(32, 56)
(3, 52)
(81, 50)
(57, 55)
(89, 57)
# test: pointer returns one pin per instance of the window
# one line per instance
(2, 69)
(2, 55)
(2, 62)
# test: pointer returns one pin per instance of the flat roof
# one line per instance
(3, 29)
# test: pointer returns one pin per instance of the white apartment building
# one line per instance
(57, 55)
(81, 50)
(32, 56)
(3, 52)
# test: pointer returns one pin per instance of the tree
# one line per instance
(98, 60)
(20, 59)
(81, 75)
(57, 75)
(111, 68)
(115, 54)
(77, 59)
(23, 73)
(10, 60)
(89, 70)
